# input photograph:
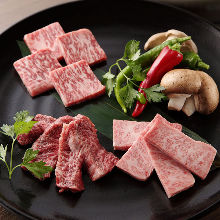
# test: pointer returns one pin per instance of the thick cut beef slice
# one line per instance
(97, 160)
(126, 132)
(70, 159)
(34, 71)
(194, 155)
(76, 83)
(45, 37)
(81, 45)
(173, 176)
(136, 161)
(48, 143)
(43, 121)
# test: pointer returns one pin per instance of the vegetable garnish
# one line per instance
(134, 72)
(23, 124)
(169, 57)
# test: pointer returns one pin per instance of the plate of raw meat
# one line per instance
(116, 195)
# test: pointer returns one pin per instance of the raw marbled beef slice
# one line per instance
(81, 45)
(34, 71)
(43, 121)
(45, 37)
(98, 161)
(76, 83)
(136, 161)
(70, 159)
(173, 176)
(126, 132)
(194, 155)
(48, 143)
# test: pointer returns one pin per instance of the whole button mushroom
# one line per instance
(159, 38)
(190, 91)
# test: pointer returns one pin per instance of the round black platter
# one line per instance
(116, 196)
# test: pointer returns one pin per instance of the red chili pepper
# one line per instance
(165, 62)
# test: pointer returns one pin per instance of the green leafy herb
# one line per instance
(23, 124)
(37, 168)
(128, 94)
(154, 93)
(3, 151)
(23, 116)
(109, 81)
(132, 51)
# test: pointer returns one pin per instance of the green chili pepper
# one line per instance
(141, 98)
(145, 59)
(193, 61)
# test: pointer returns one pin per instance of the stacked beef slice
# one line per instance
(161, 146)
(67, 144)
(41, 71)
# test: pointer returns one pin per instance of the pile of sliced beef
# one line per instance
(41, 71)
(67, 144)
(161, 146)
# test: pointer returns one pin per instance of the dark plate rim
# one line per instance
(200, 19)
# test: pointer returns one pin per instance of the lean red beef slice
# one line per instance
(194, 155)
(34, 71)
(45, 37)
(48, 143)
(173, 176)
(126, 132)
(43, 121)
(136, 161)
(98, 161)
(70, 160)
(76, 83)
(81, 45)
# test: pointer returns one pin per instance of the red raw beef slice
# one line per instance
(194, 155)
(136, 161)
(70, 160)
(34, 71)
(173, 176)
(76, 83)
(97, 160)
(48, 143)
(45, 37)
(43, 121)
(81, 45)
(126, 132)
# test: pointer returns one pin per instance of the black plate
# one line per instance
(116, 196)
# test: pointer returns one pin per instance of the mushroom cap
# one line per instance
(159, 38)
(182, 81)
(187, 45)
(155, 40)
(206, 101)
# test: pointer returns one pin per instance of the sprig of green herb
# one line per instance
(23, 124)
(129, 93)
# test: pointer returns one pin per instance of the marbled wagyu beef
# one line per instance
(81, 45)
(44, 38)
(76, 83)
(34, 71)
(194, 155)
(48, 143)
